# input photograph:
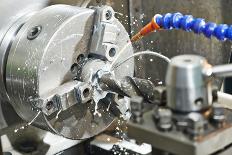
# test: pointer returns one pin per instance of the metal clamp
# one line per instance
(64, 97)
(105, 34)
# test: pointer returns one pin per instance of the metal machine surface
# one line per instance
(42, 55)
(194, 118)
(189, 115)
(70, 70)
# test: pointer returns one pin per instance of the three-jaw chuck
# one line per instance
(38, 69)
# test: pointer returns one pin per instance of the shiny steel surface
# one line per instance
(130, 87)
(37, 67)
(176, 142)
(11, 11)
(187, 89)
(13, 16)
(222, 70)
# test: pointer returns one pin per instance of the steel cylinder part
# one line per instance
(187, 88)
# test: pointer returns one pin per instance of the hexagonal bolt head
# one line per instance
(160, 95)
(137, 109)
(218, 115)
(196, 125)
(164, 119)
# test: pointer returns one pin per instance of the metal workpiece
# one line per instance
(109, 83)
(127, 86)
(142, 87)
(187, 88)
(46, 80)
(149, 91)
(91, 68)
(132, 87)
